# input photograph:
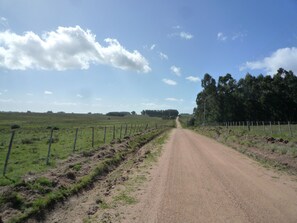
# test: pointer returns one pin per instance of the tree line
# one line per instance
(165, 114)
(252, 98)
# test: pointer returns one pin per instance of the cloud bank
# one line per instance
(63, 49)
(284, 57)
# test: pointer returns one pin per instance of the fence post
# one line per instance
(279, 127)
(92, 137)
(49, 147)
(75, 137)
(290, 129)
(130, 131)
(264, 127)
(270, 128)
(113, 133)
(121, 132)
(8, 153)
(126, 129)
(104, 137)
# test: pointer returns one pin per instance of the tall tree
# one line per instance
(262, 98)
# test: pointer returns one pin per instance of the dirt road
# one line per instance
(200, 180)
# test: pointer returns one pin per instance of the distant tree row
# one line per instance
(261, 98)
(120, 114)
(169, 113)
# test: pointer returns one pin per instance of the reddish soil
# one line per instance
(200, 180)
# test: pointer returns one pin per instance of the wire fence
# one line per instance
(266, 128)
(34, 149)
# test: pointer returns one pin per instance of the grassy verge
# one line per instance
(279, 153)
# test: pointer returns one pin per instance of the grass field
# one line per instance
(31, 141)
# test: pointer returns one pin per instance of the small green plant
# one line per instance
(42, 184)
(125, 198)
(77, 167)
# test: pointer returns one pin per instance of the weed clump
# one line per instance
(13, 200)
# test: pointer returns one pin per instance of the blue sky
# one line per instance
(113, 55)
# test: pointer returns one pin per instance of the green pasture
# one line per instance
(31, 141)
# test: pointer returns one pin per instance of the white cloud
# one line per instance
(163, 56)
(169, 82)
(174, 99)
(98, 99)
(193, 79)
(182, 35)
(176, 27)
(48, 92)
(185, 35)
(221, 36)
(238, 36)
(3, 22)
(175, 70)
(29, 94)
(79, 96)
(153, 47)
(63, 49)
(0, 93)
(284, 57)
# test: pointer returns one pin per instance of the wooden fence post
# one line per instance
(130, 131)
(104, 137)
(270, 127)
(113, 134)
(49, 147)
(126, 129)
(121, 132)
(8, 153)
(75, 137)
(92, 137)
(279, 128)
(264, 127)
(290, 129)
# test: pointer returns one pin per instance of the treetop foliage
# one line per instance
(261, 98)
